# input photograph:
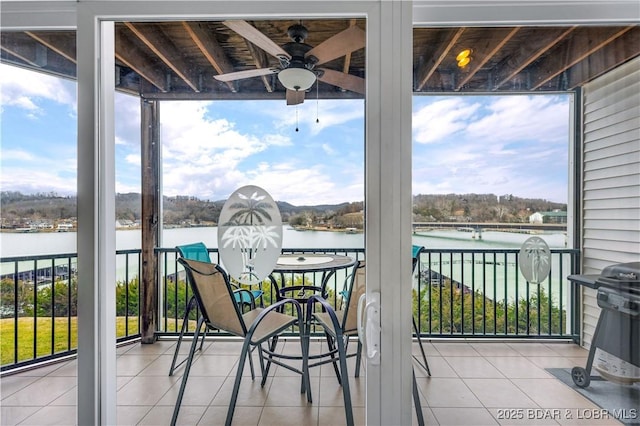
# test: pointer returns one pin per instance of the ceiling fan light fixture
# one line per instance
(297, 79)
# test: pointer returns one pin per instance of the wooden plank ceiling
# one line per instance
(178, 60)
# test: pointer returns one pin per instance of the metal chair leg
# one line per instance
(305, 366)
(358, 358)
(183, 329)
(272, 348)
(346, 392)
(332, 348)
(246, 351)
(416, 400)
(189, 360)
(423, 364)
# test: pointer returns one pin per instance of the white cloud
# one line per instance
(517, 118)
(500, 144)
(333, 113)
(133, 159)
(442, 118)
(327, 112)
(127, 120)
(463, 144)
(277, 140)
(200, 154)
(327, 148)
(302, 186)
(22, 88)
(17, 155)
(32, 180)
(125, 188)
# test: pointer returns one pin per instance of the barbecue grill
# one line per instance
(615, 350)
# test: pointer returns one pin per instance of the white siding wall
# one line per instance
(611, 178)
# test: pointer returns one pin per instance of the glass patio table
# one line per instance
(308, 264)
(305, 265)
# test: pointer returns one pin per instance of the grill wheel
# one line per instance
(580, 377)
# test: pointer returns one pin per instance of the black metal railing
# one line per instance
(456, 293)
(38, 306)
(175, 294)
(481, 293)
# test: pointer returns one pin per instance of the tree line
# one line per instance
(442, 308)
(479, 208)
(189, 210)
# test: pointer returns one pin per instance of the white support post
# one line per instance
(96, 222)
(388, 209)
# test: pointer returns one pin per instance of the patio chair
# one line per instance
(195, 251)
(416, 250)
(198, 251)
(338, 326)
(219, 310)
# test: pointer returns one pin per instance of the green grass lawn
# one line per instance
(53, 337)
(48, 345)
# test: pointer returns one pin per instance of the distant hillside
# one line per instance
(17, 209)
(21, 209)
(479, 208)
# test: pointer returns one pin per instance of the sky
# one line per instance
(462, 144)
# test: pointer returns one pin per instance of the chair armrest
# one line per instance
(240, 292)
(297, 290)
(326, 306)
(276, 306)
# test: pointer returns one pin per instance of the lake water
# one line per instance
(15, 244)
(467, 272)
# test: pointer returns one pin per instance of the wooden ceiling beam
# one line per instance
(528, 53)
(210, 48)
(31, 53)
(431, 66)
(477, 64)
(619, 51)
(160, 46)
(55, 45)
(226, 95)
(23, 54)
(535, 59)
(138, 61)
(584, 42)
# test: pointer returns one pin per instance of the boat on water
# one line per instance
(351, 230)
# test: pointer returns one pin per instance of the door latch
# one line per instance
(369, 326)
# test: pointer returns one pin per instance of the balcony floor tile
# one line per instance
(471, 384)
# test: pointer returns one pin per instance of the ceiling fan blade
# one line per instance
(343, 80)
(347, 41)
(295, 97)
(238, 75)
(256, 37)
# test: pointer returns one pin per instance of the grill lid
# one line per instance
(622, 276)
(623, 271)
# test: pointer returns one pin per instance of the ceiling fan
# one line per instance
(298, 60)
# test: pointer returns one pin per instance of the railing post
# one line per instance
(150, 153)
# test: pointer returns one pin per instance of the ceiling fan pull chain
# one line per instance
(296, 118)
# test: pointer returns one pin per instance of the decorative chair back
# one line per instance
(194, 251)
(213, 293)
(357, 288)
(415, 253)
